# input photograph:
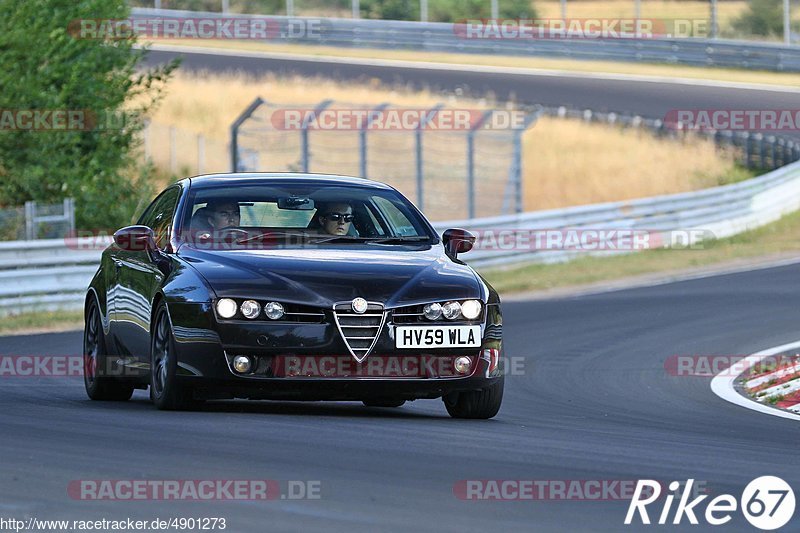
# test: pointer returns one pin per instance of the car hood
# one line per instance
(324, 276)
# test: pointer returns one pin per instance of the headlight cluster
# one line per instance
(251, 309)
(470, 310)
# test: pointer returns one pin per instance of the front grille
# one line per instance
(359, 331)
(302, 313)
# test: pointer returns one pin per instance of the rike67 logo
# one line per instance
(767, 503)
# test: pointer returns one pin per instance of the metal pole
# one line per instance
(69, 204)
(30, 213)
(356, 9)
(363, 137)
(787, 21)
(563, 9)
(235, 132)
(289, 8)
(713, 19)
(637, 9)
(304, 132)
(226, 6)
(157, 4)
(423, 10)
(420, 171)
(471, 162)
(495, 10)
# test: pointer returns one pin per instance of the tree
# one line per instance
(763, 17)
(46, 66)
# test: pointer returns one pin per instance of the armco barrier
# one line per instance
(50, 274)
(443, 37)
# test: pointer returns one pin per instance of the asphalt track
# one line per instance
(592, 401)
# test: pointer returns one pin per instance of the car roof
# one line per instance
(250, 178)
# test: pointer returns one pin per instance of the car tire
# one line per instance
(384, 403)
(166, 392)
(479, 404)
(98, 387)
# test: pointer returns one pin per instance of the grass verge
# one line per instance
(778, 237)
(41, 322)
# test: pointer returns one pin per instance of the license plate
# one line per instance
(437, 336)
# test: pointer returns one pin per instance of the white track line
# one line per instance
(455, 67)
(722, 384)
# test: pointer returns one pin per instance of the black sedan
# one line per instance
(291, 287)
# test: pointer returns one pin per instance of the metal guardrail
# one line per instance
(38, 275)
(443, 37)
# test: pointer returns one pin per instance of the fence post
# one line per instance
(515, 172)
(30, 223)
(471, 162)
(69, 215)
(304, 131)
(235, 132)
(418, 150)
(423, 10)
(713, 19)
(356, 9)
(362, 137)
(226, 6)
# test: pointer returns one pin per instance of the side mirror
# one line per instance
(457, 241)
(135, 239)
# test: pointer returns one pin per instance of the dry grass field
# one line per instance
(565, 162)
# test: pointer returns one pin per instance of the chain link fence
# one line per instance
(458, 162)
(38, 221)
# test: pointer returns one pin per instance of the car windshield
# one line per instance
(300, 214)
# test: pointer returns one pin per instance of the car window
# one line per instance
(399, 223)
(159, 215)
(303, 208)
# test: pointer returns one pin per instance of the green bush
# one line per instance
(762, 17)
(445, 10)
(44, 66)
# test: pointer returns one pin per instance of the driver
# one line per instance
(335, 218)
(223, 214)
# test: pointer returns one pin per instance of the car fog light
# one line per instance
(242, 364)
(451, 310)
(251, 309)
(274, 310)
(471, 309)
(226, 308)
(462, 365)
(433, 311)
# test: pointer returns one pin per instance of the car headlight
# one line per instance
(471, 309)
(432, 311)
(273, 310)
(226, 308)
(251, 309)
(451, 310)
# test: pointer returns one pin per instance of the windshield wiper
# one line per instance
(398, 240)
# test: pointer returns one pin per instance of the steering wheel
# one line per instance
(233, 233)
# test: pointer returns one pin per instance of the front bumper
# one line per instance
(205, 348)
